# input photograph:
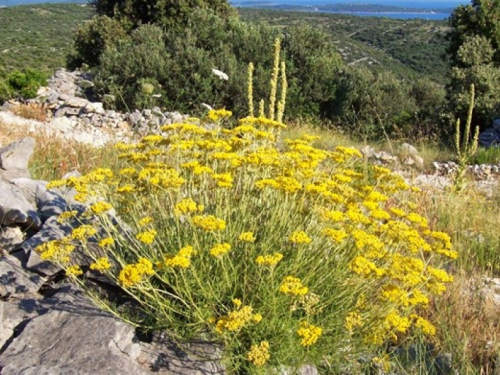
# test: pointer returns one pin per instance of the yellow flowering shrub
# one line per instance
(283, 252)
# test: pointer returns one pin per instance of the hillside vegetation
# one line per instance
(38, 36)
(409, 48)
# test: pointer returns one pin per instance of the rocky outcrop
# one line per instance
(75, 112)
(49, 327)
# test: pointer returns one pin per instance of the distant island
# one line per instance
(339, 8)
(11, 3)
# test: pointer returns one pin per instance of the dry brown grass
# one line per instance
(468, 326)
(10, 133)
(53, 157)
(32, 111)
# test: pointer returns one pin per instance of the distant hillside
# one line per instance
(348, 7)
(409, 48)
(11, 3)
(38, 36)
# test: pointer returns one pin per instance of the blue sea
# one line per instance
(421, 4)
(404, 16)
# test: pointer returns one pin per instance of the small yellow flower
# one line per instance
(216, 114)
(293, 286)
(145, 221)
(74, 271)
(353, 320)
(81, 197)
(108, 241)
(63, 217)
(182, 259)
(247, 237)
(187, 206)
(309, 333)
(299, 237)
(209, 223)
(100, 207)
(220, 249)
(237, 318)
(133, 274)
(83, 232)
(101, 264)
(146, 237)
(336, 235)
(259, 354)
(424, 325)
(269, 260)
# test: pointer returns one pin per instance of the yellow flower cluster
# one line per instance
(182, 259)
(269, 260)
(247, 237)
(74, 271)
(220, 249)
(83, 232)
(309, 333)
(209, 223)
(259, 353)
(299, 237)
(145, 221)
(293, 286)
(56, 251)
(63, 217)
(216, 114)
(101, 264)
(133, 274)
(105, 242)
(187, 206)
(100, 207)
(236, 319)
(147, 237)
(353, 320)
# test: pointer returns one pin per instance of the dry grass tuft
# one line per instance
(31, 111)
(469, 326)
(54, 156)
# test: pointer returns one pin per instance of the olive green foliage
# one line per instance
(475, 66)
(24, 84)
(38, 36)
(479, 18)
(179, 65)
(92, 37)
(474, 52)
(169, 13)
(408, 48)
(377, 105)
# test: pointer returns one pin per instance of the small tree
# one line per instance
(475, 66)
(167, 13)
(474, 52)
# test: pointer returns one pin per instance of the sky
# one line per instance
(403, 3)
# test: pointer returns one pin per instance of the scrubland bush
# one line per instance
(285, 255)
(23, 84)
(179, 63)
(376, 105)
(168, 13)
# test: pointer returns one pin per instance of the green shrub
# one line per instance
(91, 39)
(380, 105)
(180, 65)
(22, 84)
(164, 13)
